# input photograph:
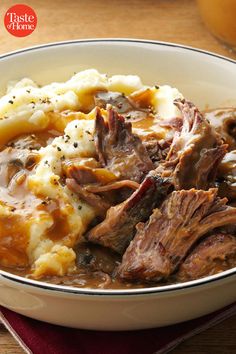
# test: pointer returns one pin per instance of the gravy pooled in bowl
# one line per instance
(107, 183)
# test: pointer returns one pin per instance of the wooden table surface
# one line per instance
(165, 20)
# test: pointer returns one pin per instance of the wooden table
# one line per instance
(165, 20)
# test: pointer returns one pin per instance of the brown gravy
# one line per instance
(34, 141)
(96, 266)
(20, 202)
(96, 269)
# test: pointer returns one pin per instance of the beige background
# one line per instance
(165, 20)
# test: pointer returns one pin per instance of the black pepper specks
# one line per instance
(55, 181)
(66, 138)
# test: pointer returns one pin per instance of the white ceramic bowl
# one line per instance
(203, 77)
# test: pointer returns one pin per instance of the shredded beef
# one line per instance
(132, 108)
(161, 244)
(85, 175)
(118, 228)
(214, 254)
(156, 151)
(97, 185)
(175, 123)
(118, 149)
(113, 186)
(118, 101)
(98, 180)
(224, 122)
(195, 152)
(99, 204)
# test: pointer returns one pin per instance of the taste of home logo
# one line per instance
(20, 20)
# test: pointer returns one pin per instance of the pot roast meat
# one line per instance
(118, 228)
(161, 244)
(118, 149)
(117, 100)
(99, 204)
(123, 105)
(86, 181)
(157, 151)
(98, 180)
(195, 152)
(224, 122)
(85, 175)
(137, 109)
(113, 186)
(214, 254)
(175, 123)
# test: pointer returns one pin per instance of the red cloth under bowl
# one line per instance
(38, 337)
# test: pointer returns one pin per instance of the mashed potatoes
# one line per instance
(41, 220)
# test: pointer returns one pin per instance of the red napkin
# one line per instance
(37, 337)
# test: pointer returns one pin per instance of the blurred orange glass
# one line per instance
(220, 18)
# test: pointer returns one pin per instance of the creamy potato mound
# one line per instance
(41, 220)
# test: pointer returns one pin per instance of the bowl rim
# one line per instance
(172, 288)
(109, 292)
(116, 40)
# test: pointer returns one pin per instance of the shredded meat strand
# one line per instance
(118, 149)
(85, 175)
(224, 122)
(214, 254)
(97, 202)
(161, 244)
(95, 182)
(112, 186)
(118, 228)
(195, 152)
